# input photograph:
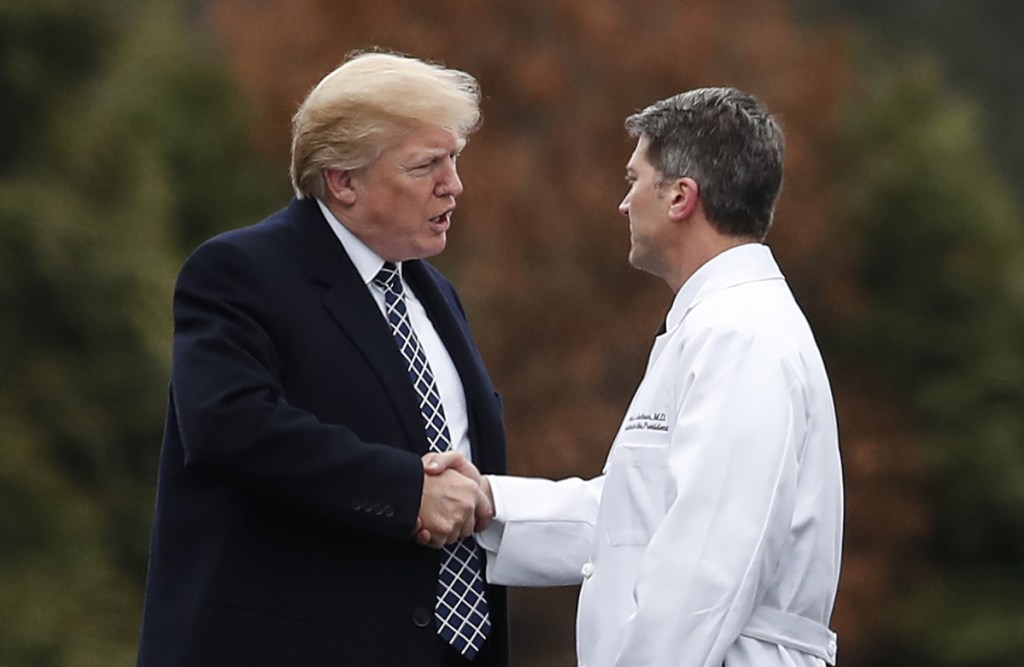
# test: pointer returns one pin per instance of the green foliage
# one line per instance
(34, 73)
(938, 250)
(979, 46)
(125, 146)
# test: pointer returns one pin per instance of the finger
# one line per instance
(436, 463)
(468, 527)
(466, 468)
(435, 538)
(431, 465)
(454, 534)
(423, 537)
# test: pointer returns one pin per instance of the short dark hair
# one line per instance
(727, 142)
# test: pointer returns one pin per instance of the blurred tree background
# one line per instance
(135, 129)
(123, 146)
(978, 46)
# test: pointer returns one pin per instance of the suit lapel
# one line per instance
(355, 312)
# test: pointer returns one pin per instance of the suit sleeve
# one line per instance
(732, 488)
(236, 423)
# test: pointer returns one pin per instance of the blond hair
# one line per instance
(370, 100)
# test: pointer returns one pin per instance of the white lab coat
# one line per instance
(714, 534)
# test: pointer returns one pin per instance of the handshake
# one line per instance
(456, 501)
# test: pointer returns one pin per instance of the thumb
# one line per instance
(436, 463)
(430, 463)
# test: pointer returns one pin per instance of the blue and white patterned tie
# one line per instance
(461, 610)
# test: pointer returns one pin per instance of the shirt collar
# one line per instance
(750, 262)
(367, 262)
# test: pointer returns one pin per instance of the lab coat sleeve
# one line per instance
(732, 468)
(543, 530)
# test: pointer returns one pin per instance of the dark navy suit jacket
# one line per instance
(290, 474)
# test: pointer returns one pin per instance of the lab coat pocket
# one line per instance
(634, 493)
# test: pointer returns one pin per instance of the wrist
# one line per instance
(485, 486)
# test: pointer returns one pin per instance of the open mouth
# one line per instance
(444, 220)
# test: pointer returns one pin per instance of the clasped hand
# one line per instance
(456, 500)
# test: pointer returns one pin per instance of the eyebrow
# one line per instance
(428, 152)
(438, 151)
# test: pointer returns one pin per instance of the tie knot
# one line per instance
(388, 279)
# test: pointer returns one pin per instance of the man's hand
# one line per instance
(435, 464)
(447, 509)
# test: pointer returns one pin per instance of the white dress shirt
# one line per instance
(449, 385)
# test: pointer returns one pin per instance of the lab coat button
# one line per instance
(832, 649)
(587, 570)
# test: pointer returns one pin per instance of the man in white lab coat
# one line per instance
(714, 535)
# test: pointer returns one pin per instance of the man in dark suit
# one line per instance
(317, 359)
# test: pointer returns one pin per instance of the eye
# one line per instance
(424, 166)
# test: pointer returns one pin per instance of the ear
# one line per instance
(683, 196)
(339, 184)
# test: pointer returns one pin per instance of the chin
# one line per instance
(434, 247)
(644, 263)
(636, 259)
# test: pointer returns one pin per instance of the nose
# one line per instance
(624, 206)
(449, 185)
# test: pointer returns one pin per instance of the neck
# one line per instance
(699, 252)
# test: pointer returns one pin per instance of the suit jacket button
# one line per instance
(388, 511)
(422, 617)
